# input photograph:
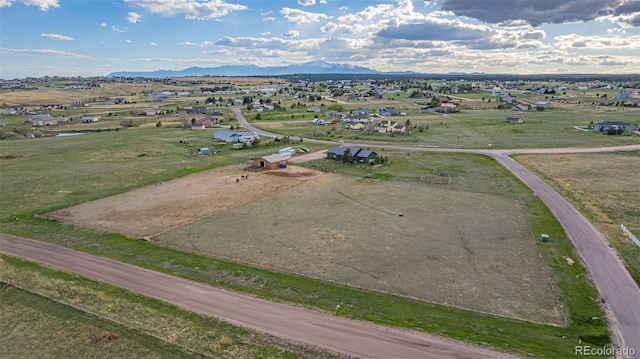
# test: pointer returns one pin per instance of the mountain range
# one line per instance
(314, 67)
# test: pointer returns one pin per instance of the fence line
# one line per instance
(630, 235)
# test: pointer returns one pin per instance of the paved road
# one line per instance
(306, 326)
(612, 280)
(608, 273)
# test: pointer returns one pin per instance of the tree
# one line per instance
(407, 127)
(347, 158)
(255, 143)
(193, 121)
(259, 117)
(159, 124)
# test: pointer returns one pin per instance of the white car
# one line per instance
(340, 141)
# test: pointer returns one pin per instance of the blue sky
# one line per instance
(97, 37)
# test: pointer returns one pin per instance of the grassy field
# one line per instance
(478, 128)
(68, 316)
(467, 245)
(577, 298)
(604, 187)
(54, 173)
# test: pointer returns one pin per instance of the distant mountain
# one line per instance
(315, 67)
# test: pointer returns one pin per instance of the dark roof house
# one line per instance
(360, 155)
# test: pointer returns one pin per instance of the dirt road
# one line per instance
(306, 326)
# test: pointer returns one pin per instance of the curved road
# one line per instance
(608, 273)
(302, 325)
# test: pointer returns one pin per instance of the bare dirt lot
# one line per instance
(151, 210)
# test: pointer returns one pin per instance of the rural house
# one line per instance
(365, 156)
(337, 152)
(234, 137)
(387, 111)
(42, 120)
(271, 162)
(387, 126)
(543, 104)
(357, 117)
(203, 123)
(359, 155)
(604, 126)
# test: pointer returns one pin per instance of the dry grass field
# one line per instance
(473, 251)
(151, 210)
(605, 186)
(61, 95)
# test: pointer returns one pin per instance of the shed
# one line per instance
(90, 119)
(271, 162)
(514, 120)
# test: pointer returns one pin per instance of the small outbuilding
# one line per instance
(271, 162)
(91, 119)
(514, 120)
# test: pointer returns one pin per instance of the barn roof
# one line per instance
(274, 158)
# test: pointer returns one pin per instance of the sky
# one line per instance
(97, 37)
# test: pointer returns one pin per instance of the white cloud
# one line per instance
(188, 43)
(302, 17)
(291, 33)
(270, 18)
(306, 2)
(153, 43)
(133, 17)
(575, 41)
(191, 9)
(103, 24)
(117, 29)
(329, 27)
(43, 5)
(127, 41)
(57, 37)
(43, 52)
(266, 33)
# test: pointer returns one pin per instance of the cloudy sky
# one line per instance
(97, 37)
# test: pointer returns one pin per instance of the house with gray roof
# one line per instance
(234, 136)
(359, 155)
